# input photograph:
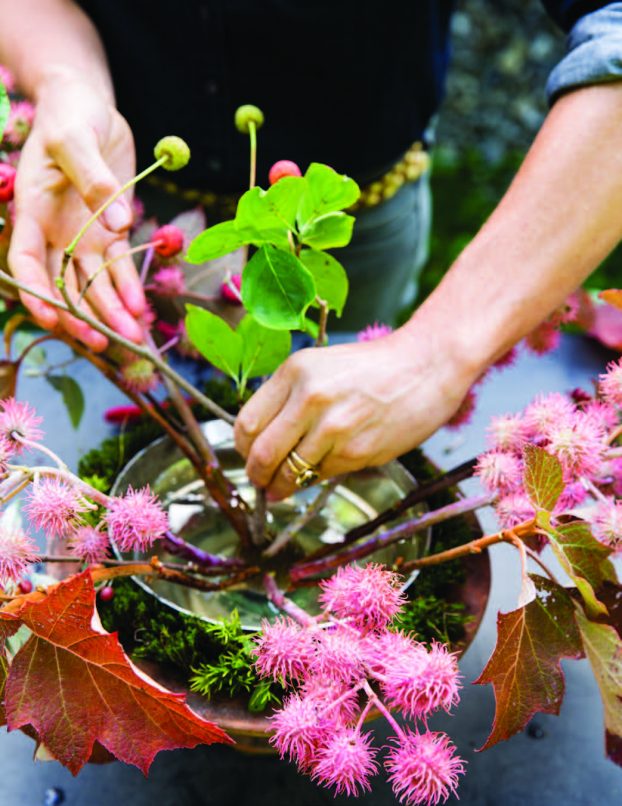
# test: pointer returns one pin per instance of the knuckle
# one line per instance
(61, 137)
(262, 456)
(97, 188)
(332, 426)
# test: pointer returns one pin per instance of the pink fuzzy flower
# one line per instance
(339, 655)
(607, 523)
(300, 728)
(578, 443)
(140, 376)
(19, 124)
(54, 507)
(169, 281)
(284, 650)
(507, 432)
(339, 701)
(615, 472)
(513, 509)
(424, 768)
(7, 451)
(464, 412)
(422, 682)
(7, 79)
(604, 415)
(346, 762)
(136, 519)
(499, 471)
(17, 417)
(368, 597)
(543, 339)
(17, 552)
(546, 411)
(387, 649)
(89, 544)
(610, 384)
(373, 332)
(573, 495)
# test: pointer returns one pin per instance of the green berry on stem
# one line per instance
(175, 150)
(247, 114)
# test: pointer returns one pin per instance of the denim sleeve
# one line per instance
(594, 53)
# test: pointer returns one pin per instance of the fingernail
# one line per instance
(118, 216)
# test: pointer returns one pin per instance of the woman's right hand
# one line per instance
(80, 151)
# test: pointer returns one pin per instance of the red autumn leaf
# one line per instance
(524, 668)
(74, 685)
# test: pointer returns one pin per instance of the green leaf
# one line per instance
(219, 240)
(72, 396)
(543, 477)
(584, 559)
(215, 340)
(524, 668)
(331, 280)
(277, 289)
(329, 231)
(263, 349)
(311, 327)
(259, 219)
(603, 648)
(326, 192)
(5, 109)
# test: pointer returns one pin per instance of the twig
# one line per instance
(321, 333)
(258, 523)
(278, 599)
(179, 547)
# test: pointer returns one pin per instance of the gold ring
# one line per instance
(306, 474)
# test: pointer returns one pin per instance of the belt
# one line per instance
(409, 168)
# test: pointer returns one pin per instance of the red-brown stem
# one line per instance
(156, 568)
(188, 568)
(278, 599)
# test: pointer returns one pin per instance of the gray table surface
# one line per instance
(560, 761)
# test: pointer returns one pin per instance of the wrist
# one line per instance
(55, 77)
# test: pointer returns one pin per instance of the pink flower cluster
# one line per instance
(347, 662)
(578, 430)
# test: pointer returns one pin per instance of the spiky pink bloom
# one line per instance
(604, 415)
(136, 519)
(546, 411)
(513, 509)
(7, 451)
(499, 471)
(570, 310)
(508, 359)
(19, 124)
(54, 507)
(17, 552)
(140, 376)
(543, 339)
(578, 443)
(464, 412)
(7, 78)
(339, 655)
(610, 383)
(169, 281)
(615, 472)
(300, 728)
(386, 649)
(346, 762)
(573, 495)
(507, 432)
(372, 332)
(607, 523)
(422, 681)
(338, 700)
(89, 544)
(368, 597)
(17, 417)
(424, 768)
(284, 650)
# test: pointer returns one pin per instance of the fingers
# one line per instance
(125, 278)
(27, 260)
(312, 448)
(78, 155)
(260, 410)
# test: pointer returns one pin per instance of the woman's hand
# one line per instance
(78, 154)
(346, 407)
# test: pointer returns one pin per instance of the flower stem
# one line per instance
(278, 599)
(91, 279)
(37, 446)
(252, 132)
(321, 333)
(375, 699)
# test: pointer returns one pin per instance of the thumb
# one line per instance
(79, 157)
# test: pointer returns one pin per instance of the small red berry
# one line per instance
(107, 594)
(7, 182)
(25, 586)
(168, 240)
(283, 168)
(230, 290)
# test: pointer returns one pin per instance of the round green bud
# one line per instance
(175, 150)
(248, 114)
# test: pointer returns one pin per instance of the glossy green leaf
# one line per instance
(329, 231)
(215, 340)
(331, 280)
(72, 395)
(544, 480)
(263, 350)
(277, 289)
(219, 240)
(259, 220)
(5, 109)
(326, 192)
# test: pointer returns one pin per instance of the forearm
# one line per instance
(558, 220)
(41, 40)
